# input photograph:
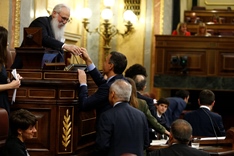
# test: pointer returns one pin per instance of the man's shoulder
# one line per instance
(142, 102)
(42, 18)
(214, 114)
(192, 112)
(118, 76)
(175, 100)
(185, 149)
(119, 107)
(146, 98)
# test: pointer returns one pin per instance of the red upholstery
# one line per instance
(4, 126)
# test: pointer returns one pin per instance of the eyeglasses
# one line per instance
(64, 18)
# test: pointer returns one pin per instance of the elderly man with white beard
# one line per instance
(53, 29)
(53, 34)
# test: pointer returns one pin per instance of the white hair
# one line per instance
(59, 7)
(122, 89)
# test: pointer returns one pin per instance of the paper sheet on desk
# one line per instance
(14, 73)
(158, 142)
(213, 138)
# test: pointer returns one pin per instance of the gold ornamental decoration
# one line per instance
(17, 23)
(66, 135)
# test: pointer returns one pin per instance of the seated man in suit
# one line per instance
(205, 122)
(181, 134)
(161, 107)
(122, 129)
(53, 33)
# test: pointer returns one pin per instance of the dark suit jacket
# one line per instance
(99, 100)
(122, 129)
(48, 40)
(176, 107)
(163, 121)
(178, 150)
(204, 122)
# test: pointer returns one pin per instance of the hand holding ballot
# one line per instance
(15, 83)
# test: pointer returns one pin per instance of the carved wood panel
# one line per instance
(205, 56)
(62, 129)
(226, 63)
(196, 61)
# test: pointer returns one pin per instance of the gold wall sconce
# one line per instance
(107, 30)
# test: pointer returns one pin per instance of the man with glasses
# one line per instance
(53, 30)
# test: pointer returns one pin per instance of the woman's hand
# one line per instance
(14, 84)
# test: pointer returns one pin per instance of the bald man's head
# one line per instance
(140, 81)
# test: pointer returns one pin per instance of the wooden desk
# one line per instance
(225, 17)
(206, 56)
(214, 29)
(214, 147)
(52, 97)
(212, 150)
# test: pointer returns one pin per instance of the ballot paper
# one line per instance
(158, 142)
(14, 73)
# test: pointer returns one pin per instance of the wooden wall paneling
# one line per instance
(204, 54)
(43, 141)
(206, 15)
(225, 63)
(159, 61)
(196, 61)
(211, 64)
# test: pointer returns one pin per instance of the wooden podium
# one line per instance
(32, 58)
(31, 54)
(50, 93)
(61, 128)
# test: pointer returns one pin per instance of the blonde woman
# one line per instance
(202, 30)
(181, 30)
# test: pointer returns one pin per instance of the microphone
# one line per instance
(213, 127)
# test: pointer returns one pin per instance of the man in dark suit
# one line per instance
(177, 105)
(181, 133)
(113, 67)
(205, 122)
(140, 81)
(53, 33)
(138, 73)
(123, 128)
